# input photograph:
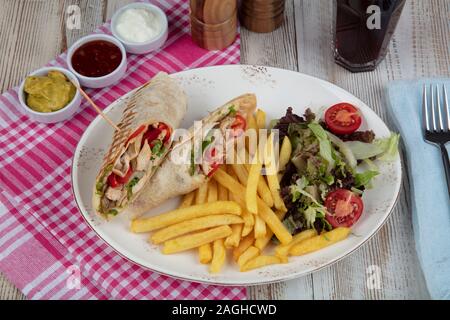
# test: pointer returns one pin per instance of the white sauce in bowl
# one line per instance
(138, 25)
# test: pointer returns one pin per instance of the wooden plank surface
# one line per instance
(418, 49)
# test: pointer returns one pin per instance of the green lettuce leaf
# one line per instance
(314, 212)
(231, 110)
(298, 189)
(310, 216)
(344, 149)
(363, 150)
(130, 186)
(391, 151)
(205, 143)
(364, 178)
(112, 212)
(326, 151)
(192, 164)
(157, 148)
(385, 149)
(372, 166)
(290, 224)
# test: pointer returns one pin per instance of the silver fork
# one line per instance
(436, 123)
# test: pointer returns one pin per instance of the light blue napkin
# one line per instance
(429, 196)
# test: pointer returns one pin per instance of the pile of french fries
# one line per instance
(236, 213)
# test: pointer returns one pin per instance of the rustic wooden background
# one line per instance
(33, 32)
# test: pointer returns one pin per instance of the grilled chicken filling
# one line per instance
(144, 146)
(232, 126)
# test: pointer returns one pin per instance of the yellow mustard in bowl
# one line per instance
(48, 93)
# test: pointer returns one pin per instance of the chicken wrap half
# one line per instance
(151, 114)
(195, 157)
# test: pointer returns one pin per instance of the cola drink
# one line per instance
(363, 30)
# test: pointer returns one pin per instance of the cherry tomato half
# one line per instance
(126, 177)
(163, 126)
(151, 135)
(239, 124)
(112, 181)
(344, 208)
(343, 118)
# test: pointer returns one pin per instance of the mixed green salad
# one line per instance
(331, 165)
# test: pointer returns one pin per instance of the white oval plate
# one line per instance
(208, 88)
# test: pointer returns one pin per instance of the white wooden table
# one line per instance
(33, 32)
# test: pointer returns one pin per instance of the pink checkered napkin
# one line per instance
(45, 245)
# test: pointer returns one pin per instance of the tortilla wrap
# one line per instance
(161, 102)
(173, 179)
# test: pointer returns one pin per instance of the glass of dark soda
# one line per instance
(363, 30)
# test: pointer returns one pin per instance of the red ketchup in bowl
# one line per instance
(96, 58)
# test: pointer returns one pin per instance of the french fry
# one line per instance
(271, 175)
(247, 255)
(252, 186)
(259, 228)
(222, 192)
(251, 122)
(241, 173)
(179, 215)
(252, 127)
(272, 221)
(283, 249)
(235, 237)
(249, 222)
(285, 153)
(263, 189)
(201, 194)
(260, 119)
(246, 242)
(195, 240)
(280, 214)
(261, 261)
(247, 160)
(192, 225)
(205, 250)
(212, 191)
(274, 187)
(188, 199)
(264, 192)
(219, 256)
(205, 253)
(321, 241)
(261, 243)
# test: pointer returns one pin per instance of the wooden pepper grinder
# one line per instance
(213, 23)
(261, 15)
